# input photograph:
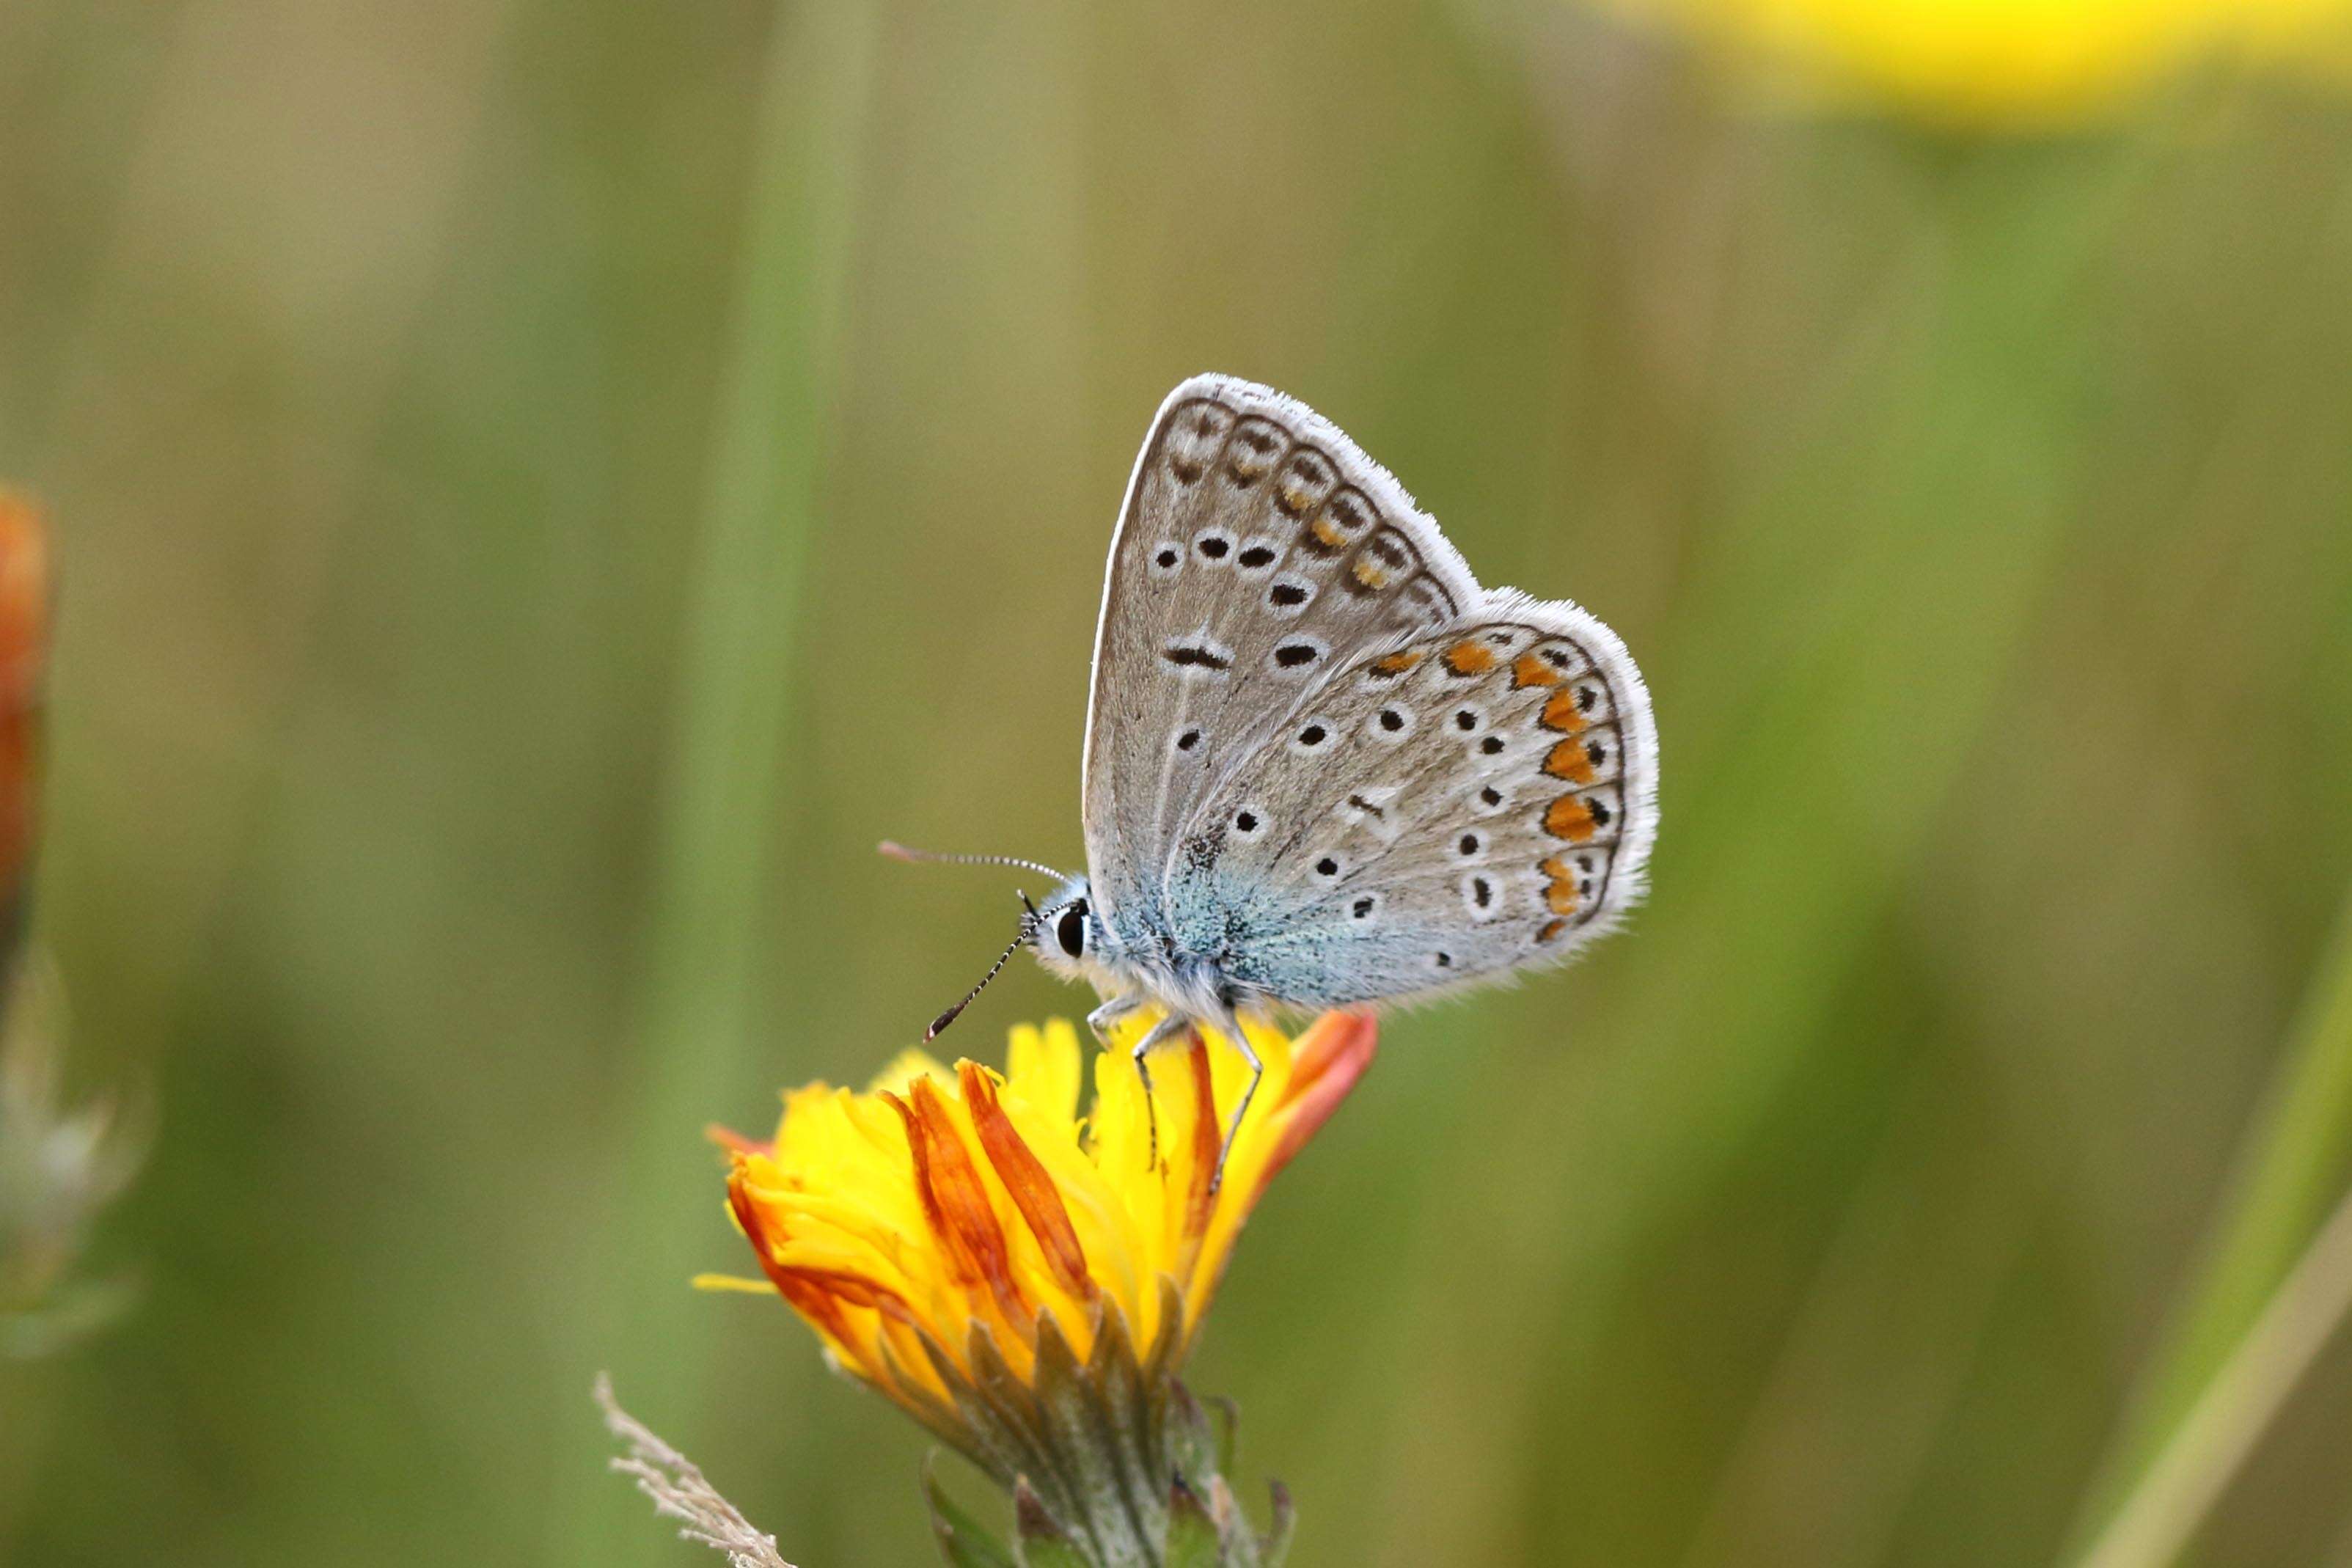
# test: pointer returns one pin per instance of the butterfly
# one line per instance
(1324, 767)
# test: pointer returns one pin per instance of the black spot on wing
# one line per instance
(1194, 655)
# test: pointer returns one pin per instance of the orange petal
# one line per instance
(734, 1142)
(755, 1231)
(954, 1201)
(1025, 1178)
(1330, 1057)
(855, 1289)
(1208, 1139)
(818, 1306)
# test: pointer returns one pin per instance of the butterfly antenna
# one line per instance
(941, 1023)
(897, 852)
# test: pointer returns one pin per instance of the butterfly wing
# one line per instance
(1460, 806)
(1256, 546)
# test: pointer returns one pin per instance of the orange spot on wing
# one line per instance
(1371, 572)
(1324, 529)
(1568, 760)
(1561, 713)
(1470, 657)
(1397, 663)
(1530, 671)
(1569, 818)
(1560, 898)
(1551, 930)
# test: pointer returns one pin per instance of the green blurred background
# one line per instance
(540, 488)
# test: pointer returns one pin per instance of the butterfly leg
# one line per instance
(1111, 1013)
(1233, 1029)
(1160, 1034)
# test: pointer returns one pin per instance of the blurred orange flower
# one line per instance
(24, 640)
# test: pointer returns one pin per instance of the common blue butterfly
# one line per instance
(1324, 767)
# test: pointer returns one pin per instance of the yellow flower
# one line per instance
(946, 1230)
(2002, 62)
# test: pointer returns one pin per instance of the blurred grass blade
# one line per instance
(734, 682)
(2293, 1162)
(2222, 1428)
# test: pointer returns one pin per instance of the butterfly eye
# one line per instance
(1070, 930)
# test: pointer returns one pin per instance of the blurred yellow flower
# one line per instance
(2000, 62)
(947, 1227)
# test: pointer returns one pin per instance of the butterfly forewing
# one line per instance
(1257, 548)
(1320, 759)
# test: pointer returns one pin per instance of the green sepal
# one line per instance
(1128, 1418)
(1275, 1544)
(1102, 1465)
(1043, 1542)
(1236, 1540)
(1009, 1405)
(1192, 1441)
(1192, 1534)
(1225, 1421)
(962, 1540)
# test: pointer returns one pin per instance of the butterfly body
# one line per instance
(1324, 767)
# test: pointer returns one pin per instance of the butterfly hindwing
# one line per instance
(1258, 548)
(1458, 806)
